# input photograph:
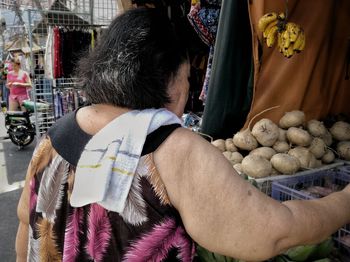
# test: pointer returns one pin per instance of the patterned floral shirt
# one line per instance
(149, 229)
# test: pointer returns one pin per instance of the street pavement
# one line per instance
(13, 166)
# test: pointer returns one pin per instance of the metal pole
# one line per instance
(2, 31)
(2, 46)
(37, 131)
(91, 12)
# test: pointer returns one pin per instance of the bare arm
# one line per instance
(225, 214)
(23, 216)
(28, 83)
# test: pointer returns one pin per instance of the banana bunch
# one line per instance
(291, 40)
(290, 36)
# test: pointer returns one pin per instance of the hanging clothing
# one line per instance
(58, 105)
(48, 57)
(69, 45)
(228, 100)
(58, 71)
(204, 93)
(204, 17)
(313, 80)
(92, 39)
(67, 100)
(73, 44)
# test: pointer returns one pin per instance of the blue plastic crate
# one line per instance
(341, 244)
(291, 187)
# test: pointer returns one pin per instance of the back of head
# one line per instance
(134, 61)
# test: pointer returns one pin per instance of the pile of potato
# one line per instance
(292, 145)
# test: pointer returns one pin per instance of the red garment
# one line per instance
(20, 77)
(57, 67)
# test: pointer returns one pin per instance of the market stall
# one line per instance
(295, 141)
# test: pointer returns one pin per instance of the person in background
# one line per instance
(121, 180)
(18, 82)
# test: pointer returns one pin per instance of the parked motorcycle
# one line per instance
(20, 125)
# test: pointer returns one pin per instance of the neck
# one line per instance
(92, 118)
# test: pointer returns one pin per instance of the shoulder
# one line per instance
(68, 138)
(187, 145)
(23, 73)
(185, 159)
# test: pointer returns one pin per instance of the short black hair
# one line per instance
(134, 61)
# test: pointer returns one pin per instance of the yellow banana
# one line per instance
(280, 42)
(271, 37)
(301, 48)
(265, 20)
(285, 39)
(299, 43)
(289, 52)
(269, 27)
(293, 30)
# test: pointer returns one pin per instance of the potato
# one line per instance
(227, 154)
(229, 145)
(327, 138)
(265, 152)
(220, 144)
(236, 158)
(284, 163)
(299, 136)
(316, 128)
(282, 135)
(318, 147)
(305, 157)
(233, 157)
(343, 149)
(328, 157)
(266, 132)
(256, 166)
(315, 163)
(281, 147)
(245, 140)
(293, 118)
(341, 131)
(274, 172)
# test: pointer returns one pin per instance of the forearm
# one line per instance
(22, 242)
(315, 220)
(25, 84)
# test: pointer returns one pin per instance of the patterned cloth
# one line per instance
(148, 229)
(110, 159)
(205, 22)
(204, 17)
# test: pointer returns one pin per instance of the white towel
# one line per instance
(109, 161)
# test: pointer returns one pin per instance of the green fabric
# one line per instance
(229, 95)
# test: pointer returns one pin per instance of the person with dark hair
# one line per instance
(18, 82)
(121, 180)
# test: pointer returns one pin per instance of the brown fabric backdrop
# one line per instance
(313, 80)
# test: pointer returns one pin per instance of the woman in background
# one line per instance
(18, 82)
